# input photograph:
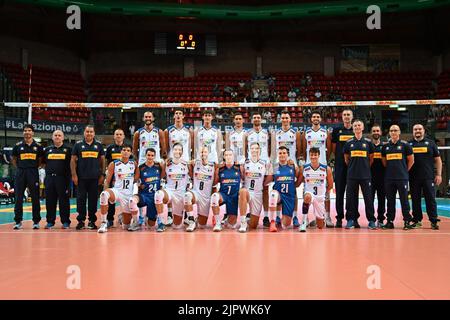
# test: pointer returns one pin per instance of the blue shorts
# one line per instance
(287, 204)
(148, 200)
(232, 203)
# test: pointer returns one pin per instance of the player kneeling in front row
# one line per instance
(257, 174)
(286, 180)
(125, 173)
(202, 173)
(318, 180)
(150, 174)
(229, 176)
(177, 176)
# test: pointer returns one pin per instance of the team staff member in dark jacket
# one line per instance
(398, 159)
(27, 156)
(358, 154)
(377, 170)
(87, 166)
(57, 180)
(339, 136)
(422, 177)
(113, 152)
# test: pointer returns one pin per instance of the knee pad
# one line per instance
(215, 199)
(273, 198)
(132, 204)
(159, 197)
(188, 198)
(104, 197)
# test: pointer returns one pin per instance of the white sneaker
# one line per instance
(169, 221)
(303, 226)
(217, 227)
(191, 225)
(134, 227)
(103, 227)
(329, 223)
(243, 227)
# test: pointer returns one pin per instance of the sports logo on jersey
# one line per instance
(202, 176)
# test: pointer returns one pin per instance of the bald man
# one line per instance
(57, 180)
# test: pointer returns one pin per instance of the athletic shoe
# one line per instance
(17, 226)
(312, 224)
(320, 223)
(243, 227)
(329, 222)
(273, 227)
(266, 222)
(295, 222)
(434, 225)
(372, 225)
(380, 224)
(169, 221)
(303, 226)
(66, 225)
(217, 227)
(92, 226)
(350, 224)
(80, 226)
(134, 227)
(388, 225)
(103, 227)
(338, 223)
(407, 225)
(247, 216)
(356, 224)
(278, 221)
(36, 226)
(416, 225)
(225, 218)
(49, 225)
(161, 227)
(110, 224)
(191, 225)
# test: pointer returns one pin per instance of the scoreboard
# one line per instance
(185, 43)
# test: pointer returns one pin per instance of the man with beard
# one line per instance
(425, 174)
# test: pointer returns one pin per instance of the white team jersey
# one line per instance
(203, 178)
(254, 175)
(183, 137)
(262, 138)
(148, 139)
(317, 139)
(177, 176)
(208, 138)
(237, 145)
(124, 175)
(288, 139)
(315, 180)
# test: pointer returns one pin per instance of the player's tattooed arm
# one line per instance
(109, 175)
(330, 181)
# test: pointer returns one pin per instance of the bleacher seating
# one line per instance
(50, 85)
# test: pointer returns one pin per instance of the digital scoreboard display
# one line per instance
(186, 41)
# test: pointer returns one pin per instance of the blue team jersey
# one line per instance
(150, 178)
(284, 178)
(230, 180)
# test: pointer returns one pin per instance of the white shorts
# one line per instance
(255, 203)
(176, 198)
(123, 197)
(203, 203)
(318, 204)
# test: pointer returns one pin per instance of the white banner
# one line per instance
(228, 104)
